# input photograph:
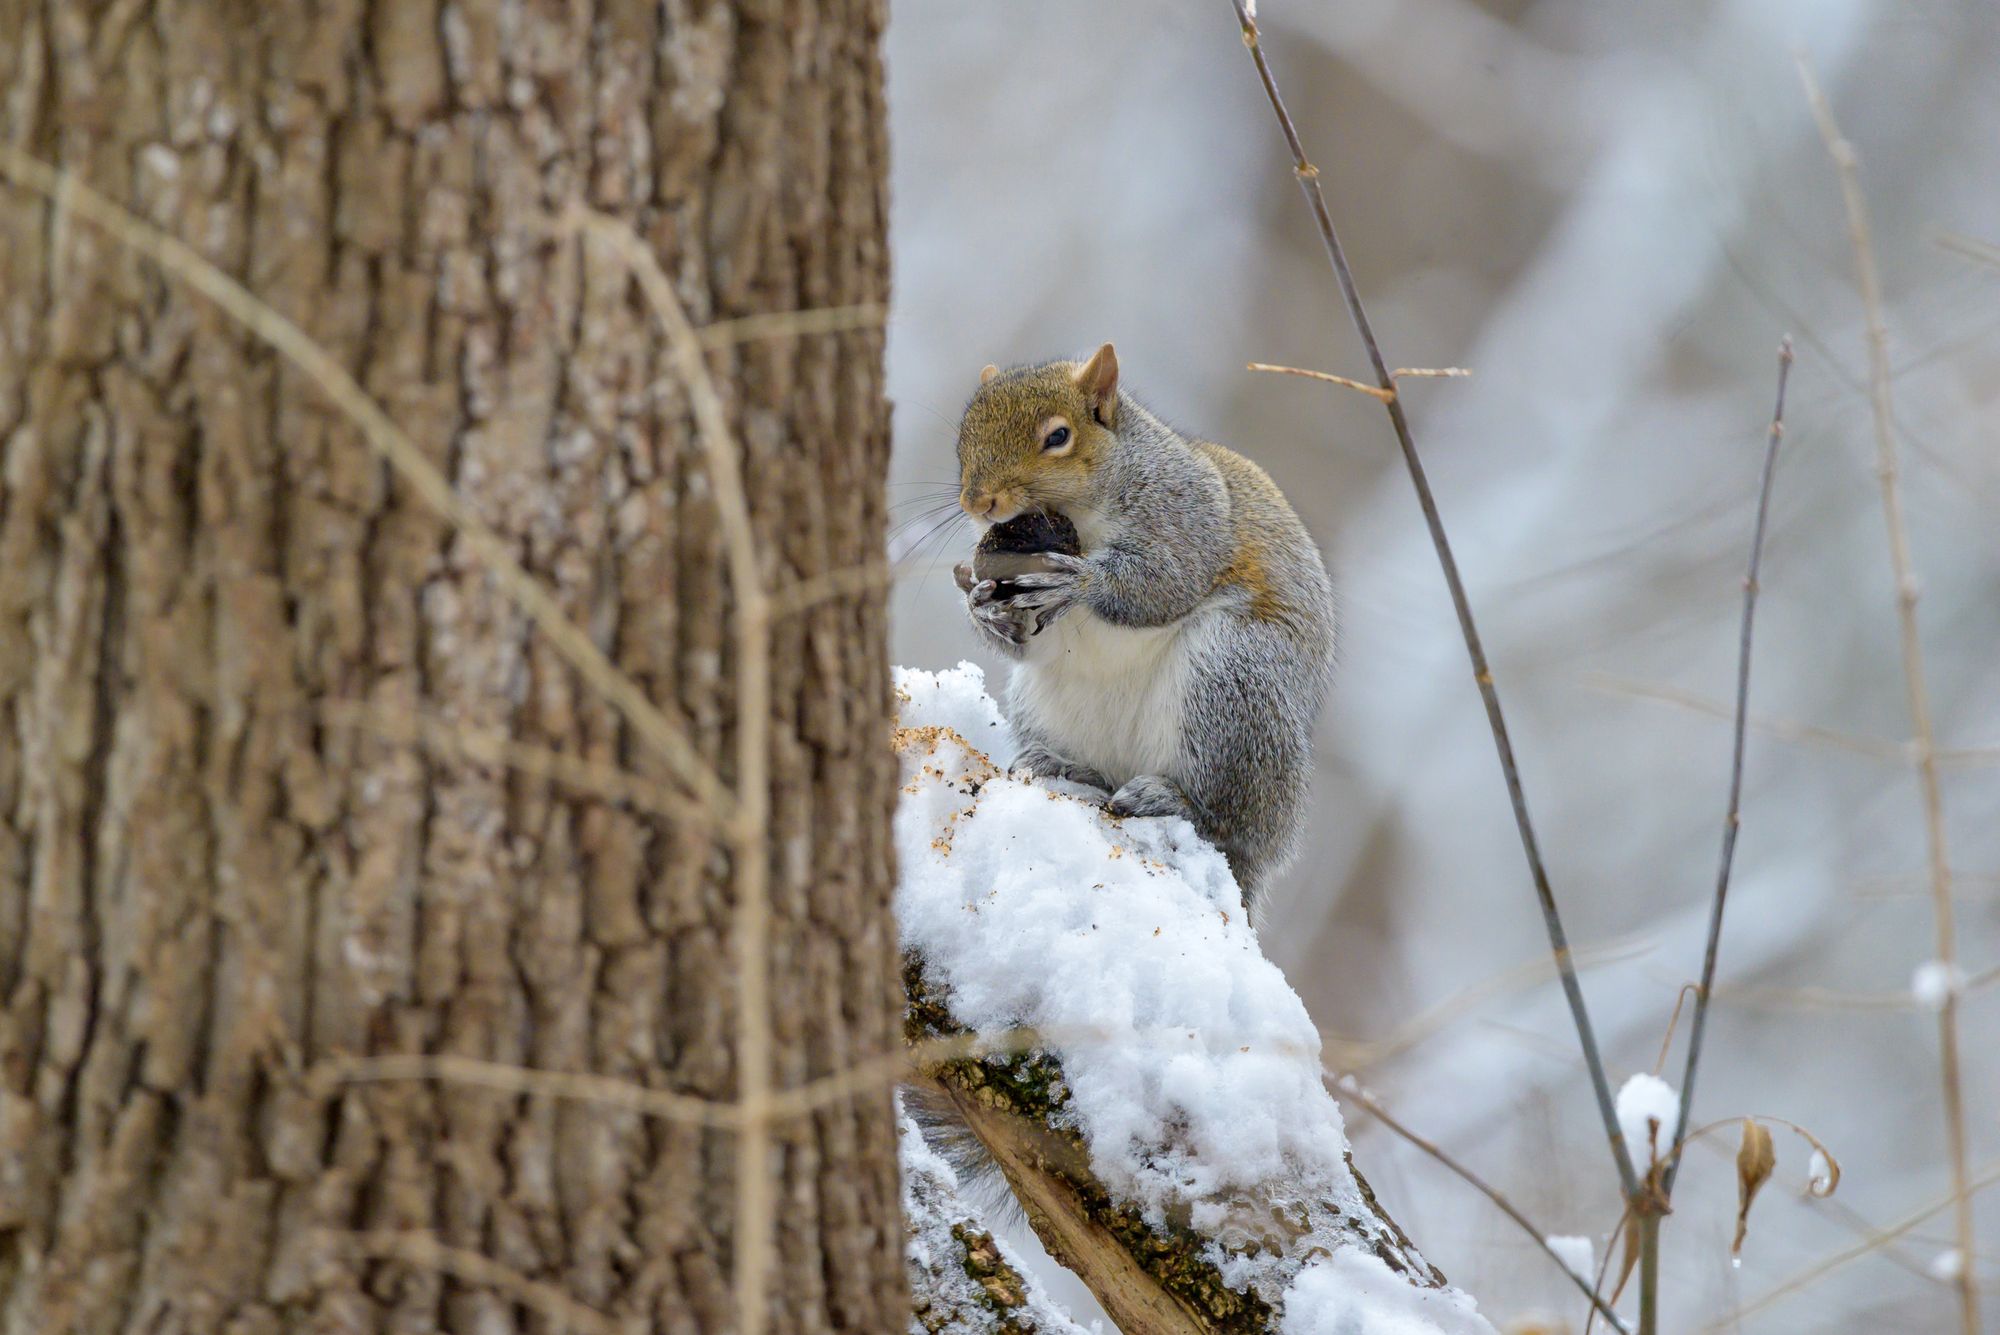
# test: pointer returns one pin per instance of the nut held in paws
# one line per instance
(1012, 548)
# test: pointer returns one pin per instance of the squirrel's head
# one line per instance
(1032, 437)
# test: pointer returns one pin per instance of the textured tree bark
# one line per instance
(210, 882)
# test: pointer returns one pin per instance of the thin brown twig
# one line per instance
(527, 594)
(1916, 688)
(756, 1206)
(1604, 1268)
(1375, 392)
(1673, 1023)
(490, 746)
(1971, 247)
(1918, 884)
(1789, 730)
(816, 589)
(1359, 1053)
(1349, 1090)
(1820, 1270)
(1482, 674)
(792, 324)
(423, 1251)
(1812, 998)
(798, 1101)
(1784, 730)
(1732, 817)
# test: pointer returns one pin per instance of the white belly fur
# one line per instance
(1110, 697)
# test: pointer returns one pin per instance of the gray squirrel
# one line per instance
(1179, 661)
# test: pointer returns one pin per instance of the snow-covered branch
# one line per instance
(1167, 1133)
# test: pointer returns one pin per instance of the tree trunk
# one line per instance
(214, 881)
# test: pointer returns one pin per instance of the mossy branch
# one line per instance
(1150, 1279)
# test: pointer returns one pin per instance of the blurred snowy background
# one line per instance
(1611, 213)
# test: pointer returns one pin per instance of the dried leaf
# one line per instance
(1631, 1259)
(1824, 1176)
(1756, 1157)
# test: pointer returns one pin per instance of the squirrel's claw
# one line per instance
(1002, 621)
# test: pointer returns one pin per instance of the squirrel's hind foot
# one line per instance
(1041, 763)
(1151, 795)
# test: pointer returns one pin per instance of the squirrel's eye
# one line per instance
(1056, 439)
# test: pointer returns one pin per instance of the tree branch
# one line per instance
(1348, 1089)
(1924, 739)
(1308, 177)
(1148, 1278)
(1732, 818)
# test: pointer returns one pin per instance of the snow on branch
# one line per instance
(1167, 1132)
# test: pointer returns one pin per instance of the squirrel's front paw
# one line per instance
(1002, 620)
(1049, 593)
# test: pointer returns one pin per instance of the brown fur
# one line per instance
(1255, 502)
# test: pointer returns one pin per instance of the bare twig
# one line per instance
(1308, 178)
(1673, 1022)
(816, 589)
(1375, 392)
(1791, 730)
(1971, 247)
(1347, 1089)
(756, 1208)
(390, 441)
(1785, 730)
(610, 1091)
(1358, 1053)
(792, 324)
(1732, 818)
(1604, 1268)
(869, 1074)
(490, 746)
(1974, 1185)
(425, 1252)
(1924, 739)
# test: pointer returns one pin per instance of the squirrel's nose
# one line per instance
(978, 504)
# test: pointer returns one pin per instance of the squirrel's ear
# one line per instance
(1099, 382)
(987, 373)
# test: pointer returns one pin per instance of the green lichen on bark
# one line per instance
(1003, 1291)
(1030, 1085)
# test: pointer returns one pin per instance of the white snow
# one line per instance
(1819, 1174)
(1192, 1066)
(1933, 984)
(1648, 1108)
(956, 699)
(1947, 1266)
(1578, 1255)
(931, 1207)
(1354, 1293)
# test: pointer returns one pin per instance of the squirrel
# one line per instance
(1178, 663)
